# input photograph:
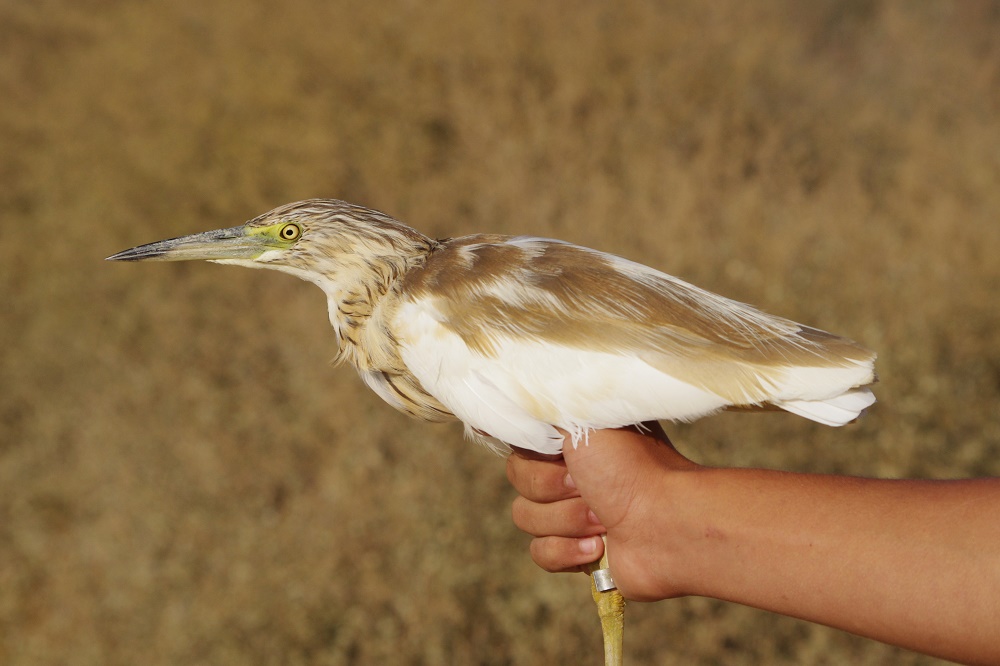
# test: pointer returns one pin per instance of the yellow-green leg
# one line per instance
(611, 609)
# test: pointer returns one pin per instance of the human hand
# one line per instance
(627, 483)
(907, 562)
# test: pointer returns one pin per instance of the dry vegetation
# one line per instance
(183, 479)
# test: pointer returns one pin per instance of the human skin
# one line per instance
(912, 563)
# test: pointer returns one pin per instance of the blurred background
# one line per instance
(183, 476)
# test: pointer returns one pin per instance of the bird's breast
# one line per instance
(367, 342)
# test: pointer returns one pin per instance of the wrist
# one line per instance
(664, 554)
(698, 529)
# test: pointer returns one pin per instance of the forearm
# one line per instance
(913, 563)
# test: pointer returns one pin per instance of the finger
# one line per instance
(561, 554)
(540, 480)
(568, 518)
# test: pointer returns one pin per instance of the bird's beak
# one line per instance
(218, 245)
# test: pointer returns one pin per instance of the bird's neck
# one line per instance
(365, 294)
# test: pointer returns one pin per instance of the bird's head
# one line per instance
(319, 240)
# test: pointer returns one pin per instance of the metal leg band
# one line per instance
(603, 581)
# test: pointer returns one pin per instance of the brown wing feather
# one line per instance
(488, 287)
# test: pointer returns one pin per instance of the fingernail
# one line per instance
(592, 517)
(588, 546)
(569, 482)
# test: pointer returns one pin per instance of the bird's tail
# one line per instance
(836, 411)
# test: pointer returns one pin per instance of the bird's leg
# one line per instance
(610, 608)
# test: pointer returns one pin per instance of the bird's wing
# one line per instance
(528, 306)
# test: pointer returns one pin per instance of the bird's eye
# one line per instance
(290, 232)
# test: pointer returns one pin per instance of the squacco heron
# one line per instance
(521, 337)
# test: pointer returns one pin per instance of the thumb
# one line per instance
(606, 467)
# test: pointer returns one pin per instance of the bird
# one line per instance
(520, 337)
(524, 339)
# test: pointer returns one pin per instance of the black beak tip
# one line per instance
(132, 255)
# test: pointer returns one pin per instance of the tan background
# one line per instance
(184, 479)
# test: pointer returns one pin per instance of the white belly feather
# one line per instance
(528, 387)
